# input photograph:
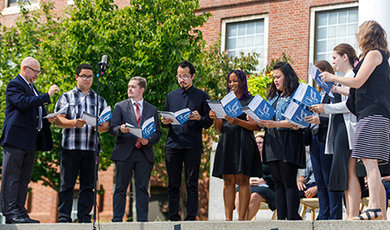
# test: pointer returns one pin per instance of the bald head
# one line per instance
(29, 61)
(30, 69)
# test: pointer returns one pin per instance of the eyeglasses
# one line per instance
(35, 71)
(86, 77)
(184, 76)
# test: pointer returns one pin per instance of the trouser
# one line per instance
(16, 174)
(142, 168)
(287, 197)
(73, 163)
(174, 159)
(330, 202)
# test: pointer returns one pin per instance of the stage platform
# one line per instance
(213, 225)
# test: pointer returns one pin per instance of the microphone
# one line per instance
(103, 63)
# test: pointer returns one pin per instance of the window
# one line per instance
(12, 6)
(335, 27)
(11, 2)
(247, 35)
(329, 26)
(16, 2)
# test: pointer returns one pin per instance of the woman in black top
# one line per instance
(237, 157)
(284, 148)
(372, 107)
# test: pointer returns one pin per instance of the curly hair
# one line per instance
(372, 36)
(241, 82)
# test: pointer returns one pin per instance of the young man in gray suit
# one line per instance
(132, 153)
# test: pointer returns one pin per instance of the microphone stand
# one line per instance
(101, 68)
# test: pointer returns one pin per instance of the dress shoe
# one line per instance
(21, 220)
(31, 220)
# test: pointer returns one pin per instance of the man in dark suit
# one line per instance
(132, 153)
(25, 131)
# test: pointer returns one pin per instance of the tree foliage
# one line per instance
(147, 38)
(258, 83)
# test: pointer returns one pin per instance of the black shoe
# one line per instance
(64, 221)
(21, 220)
(83, 221)
(31, 220)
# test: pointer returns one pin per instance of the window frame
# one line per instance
(313, 26)
(243, 19)
(14, 9)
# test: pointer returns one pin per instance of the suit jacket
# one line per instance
(20, 127)
(125, 143)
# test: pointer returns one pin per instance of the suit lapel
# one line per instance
(27, 88)
(131, 113)
(144, 113)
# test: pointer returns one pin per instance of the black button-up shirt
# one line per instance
(188, 135)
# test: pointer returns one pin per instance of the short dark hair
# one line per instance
(188, 64)
(141, 81)
(83, 66)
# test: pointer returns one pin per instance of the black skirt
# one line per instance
(285, 145)
(237, 153)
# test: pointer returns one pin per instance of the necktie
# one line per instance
(138, 144)
(39, 108)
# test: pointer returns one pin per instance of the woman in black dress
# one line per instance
(237, 157)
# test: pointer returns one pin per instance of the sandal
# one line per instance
(368, 216)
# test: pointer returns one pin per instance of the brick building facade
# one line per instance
(306, 30)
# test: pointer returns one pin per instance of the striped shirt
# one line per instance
(77, 102)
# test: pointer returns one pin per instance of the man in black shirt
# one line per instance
(184, 142)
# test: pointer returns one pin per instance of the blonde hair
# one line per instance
(372, 36)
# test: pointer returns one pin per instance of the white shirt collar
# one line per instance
(141, 102)
(28, 83)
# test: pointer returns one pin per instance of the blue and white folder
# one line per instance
(105, 115)
(178, 117)
(148, 128)
(259, 109)
(314, 73)
(229, 105)
(296, 113)
(307, 95)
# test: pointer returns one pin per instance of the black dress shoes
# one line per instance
(21, 220)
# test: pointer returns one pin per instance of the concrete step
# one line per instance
(213, 225)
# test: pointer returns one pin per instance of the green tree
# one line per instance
(147, 38)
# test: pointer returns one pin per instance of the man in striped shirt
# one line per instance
(78, 145)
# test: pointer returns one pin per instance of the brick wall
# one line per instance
(289, 22)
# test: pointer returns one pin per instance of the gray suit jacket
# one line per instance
(125, 143)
